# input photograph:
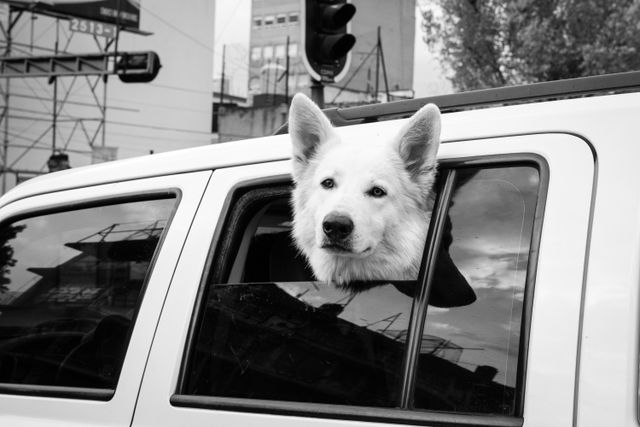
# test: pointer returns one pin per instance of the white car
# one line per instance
(164, 291)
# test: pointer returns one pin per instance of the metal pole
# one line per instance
(275, 82)
(384, 67)
(377, 64)
(317, 92)
(55, 93)
(105, 79)
(224, 46)
(5, 157)
(286, 79)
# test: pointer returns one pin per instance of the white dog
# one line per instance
(362, 207)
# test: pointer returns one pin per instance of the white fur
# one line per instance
(389, 232)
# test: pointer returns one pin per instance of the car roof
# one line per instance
(580, 116)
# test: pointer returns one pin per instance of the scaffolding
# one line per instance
(47, 117)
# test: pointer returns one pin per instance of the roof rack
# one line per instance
(559, 89)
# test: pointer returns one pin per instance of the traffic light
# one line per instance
(139, 67)
(326, 39)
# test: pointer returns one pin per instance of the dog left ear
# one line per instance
(418, 144)
(308, 127)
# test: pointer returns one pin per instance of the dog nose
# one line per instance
(337, 226)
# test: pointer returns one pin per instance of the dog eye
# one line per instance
(328, 183)
(377, 192)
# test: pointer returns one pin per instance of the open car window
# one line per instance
(265, 330)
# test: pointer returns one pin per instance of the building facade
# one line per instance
(276, 31)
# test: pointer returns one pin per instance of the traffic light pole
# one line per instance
(317, 92)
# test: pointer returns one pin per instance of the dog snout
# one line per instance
(337, 227)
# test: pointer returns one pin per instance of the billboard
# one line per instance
(126, 13)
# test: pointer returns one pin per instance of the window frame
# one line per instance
(85, 393)
(404, 414)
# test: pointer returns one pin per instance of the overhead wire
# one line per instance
(65, 119)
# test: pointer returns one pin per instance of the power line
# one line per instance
(137, 125)
(71, 101)
(84, 104)
(181, 89)
(169, 24)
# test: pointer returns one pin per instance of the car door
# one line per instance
(237, 347)
(85, 275)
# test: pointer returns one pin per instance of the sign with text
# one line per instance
(125, 13)
(92, 27)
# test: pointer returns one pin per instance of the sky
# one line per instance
(232, 19)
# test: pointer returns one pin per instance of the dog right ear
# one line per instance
(308, 127)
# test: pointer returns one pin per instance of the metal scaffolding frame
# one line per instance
(87, 73)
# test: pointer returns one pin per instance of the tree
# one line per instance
(7, 260)
(489, 43)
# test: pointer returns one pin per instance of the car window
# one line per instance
(301, 341)
(266, 330)
(70, 286)
(468, 358)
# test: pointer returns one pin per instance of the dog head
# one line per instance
(361, 206)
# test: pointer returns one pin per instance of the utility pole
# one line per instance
(286, 79)
(384, 67)
(275, 82)
(380, 59)
(54, 124)
(224, 47)
(377, 65)
(317, 92)
(5, 112)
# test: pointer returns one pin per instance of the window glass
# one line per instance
(267, 331)
(257, 22)
(293, 17)
(301, 341)
(281, 19)
(268, 52)
(469, 355)
(293, 50)
(256, 53)
(268, 20)
(70, 285)
(280, 51)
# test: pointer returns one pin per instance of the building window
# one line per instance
(294, 17)
(256, 53)
(293, 50)
(257, 22)
(280, 51)
(281, 19)
(268, 20)
(268, 53)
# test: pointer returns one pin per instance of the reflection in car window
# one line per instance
(70, 285)
(301, 341)
(266, 331)
(469, 355)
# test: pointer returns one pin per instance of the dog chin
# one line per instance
(345, 251)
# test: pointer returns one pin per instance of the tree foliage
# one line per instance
(7, 234)
(489, 43)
